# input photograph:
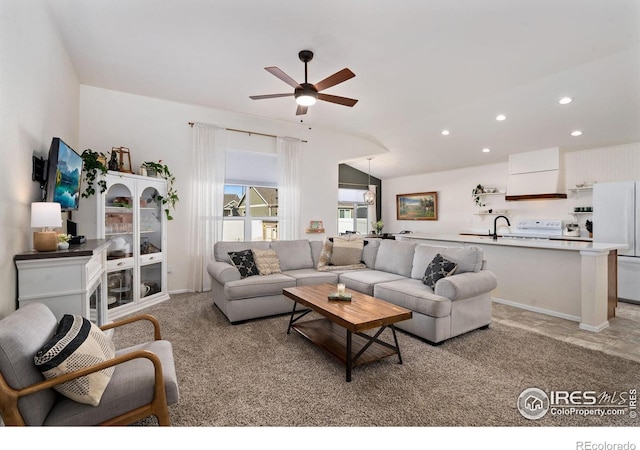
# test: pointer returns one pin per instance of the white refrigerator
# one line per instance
(616, 219)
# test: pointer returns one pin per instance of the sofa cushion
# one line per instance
(347, 250)
(293, 254)
(306, 277)
(438, 268)
(395, 257)
(132, 380)
(258, 286)
(77, 344)
(364, 280)
(468, 259)
(316, 250)
(370, 251)
(221, 249)
(243, 261)
(267, 261)
(412, 294)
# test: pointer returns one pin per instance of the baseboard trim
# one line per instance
(537, 310)
(594, 328)
(181, 291)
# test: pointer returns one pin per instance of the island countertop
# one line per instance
(571, 279)
(550, 244)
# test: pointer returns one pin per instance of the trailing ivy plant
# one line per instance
(93, 164)
(171, 198)
(477, 191)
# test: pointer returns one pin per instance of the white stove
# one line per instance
(535, 229)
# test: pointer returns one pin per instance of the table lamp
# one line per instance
(43, 215)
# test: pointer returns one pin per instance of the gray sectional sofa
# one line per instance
(392, 271)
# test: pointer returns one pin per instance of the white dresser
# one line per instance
(67, 281)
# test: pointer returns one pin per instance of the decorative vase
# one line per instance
(63, 246)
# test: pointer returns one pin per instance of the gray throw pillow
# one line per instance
(438, 268)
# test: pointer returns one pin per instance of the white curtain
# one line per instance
(288, 150)
(207, 184)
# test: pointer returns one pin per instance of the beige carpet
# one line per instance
(254, 374)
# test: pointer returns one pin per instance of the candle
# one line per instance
(340, 288)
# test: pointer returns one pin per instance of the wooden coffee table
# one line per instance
(362, 313)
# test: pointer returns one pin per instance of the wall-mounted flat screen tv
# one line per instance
(64, 175)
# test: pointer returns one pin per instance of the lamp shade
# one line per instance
(46, 214)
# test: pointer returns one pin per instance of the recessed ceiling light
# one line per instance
(486, 150)
(501, 117)
(445, 132)
(565, 100)
(576, 133)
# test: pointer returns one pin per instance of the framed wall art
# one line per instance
(420, 206)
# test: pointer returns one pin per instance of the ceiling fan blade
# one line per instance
(283, 76)
(334, 79)
(339, 100)
(260, 97)
(301, 110)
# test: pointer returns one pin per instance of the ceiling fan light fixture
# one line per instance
(306, 99)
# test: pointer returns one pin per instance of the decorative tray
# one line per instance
(342, 297)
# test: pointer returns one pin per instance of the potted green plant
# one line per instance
(63, 241)
(477, 195)
(171, 198)
(93, 165)
(378, 226)
(589, 226)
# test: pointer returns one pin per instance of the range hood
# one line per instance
(536, 175)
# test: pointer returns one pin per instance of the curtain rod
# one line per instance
(191, 124)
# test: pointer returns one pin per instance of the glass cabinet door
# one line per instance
(120, 285)
(118, 222)
(119, 230)
(150, 222)
(151, 243)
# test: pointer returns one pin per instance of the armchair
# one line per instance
(143, 384)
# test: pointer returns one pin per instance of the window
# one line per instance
(250, 196)
(250, 213)
(352, 211)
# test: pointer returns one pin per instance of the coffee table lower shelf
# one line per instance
(333, 339)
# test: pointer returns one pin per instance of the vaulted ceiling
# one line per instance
(422, 66)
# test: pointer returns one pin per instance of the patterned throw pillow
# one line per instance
(438, 268)
(244, 262)
(77, 344)
(267, 261)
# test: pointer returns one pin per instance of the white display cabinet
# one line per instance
(130, 216)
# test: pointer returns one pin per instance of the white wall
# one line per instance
(39, 95)
(456, 207)
(156, 129)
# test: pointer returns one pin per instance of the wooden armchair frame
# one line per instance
(157, 407)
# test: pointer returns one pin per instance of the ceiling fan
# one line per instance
(307, 94)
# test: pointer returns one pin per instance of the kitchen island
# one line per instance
(571, 279)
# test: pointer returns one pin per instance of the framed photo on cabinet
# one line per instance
(419, 206)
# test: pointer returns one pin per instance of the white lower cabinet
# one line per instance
(67, 281)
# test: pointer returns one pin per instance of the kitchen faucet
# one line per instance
(495, 228)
